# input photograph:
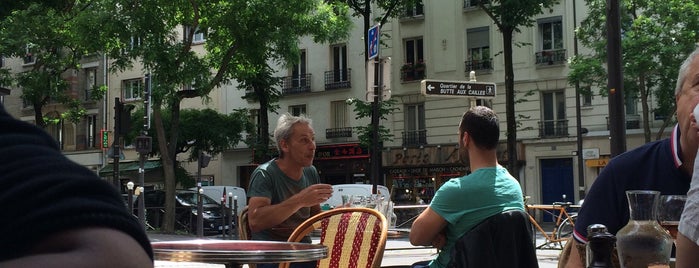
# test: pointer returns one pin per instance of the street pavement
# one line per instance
(398, 252)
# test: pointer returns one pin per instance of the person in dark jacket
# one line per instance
(57, 213)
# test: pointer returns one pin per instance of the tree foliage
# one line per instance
(510, 16)
(49, 37)
(363, 109)
(238, 35)
(656, 37)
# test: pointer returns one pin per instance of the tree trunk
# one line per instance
(644, 106)
(168, 170)
(510, 103)
(261, 155)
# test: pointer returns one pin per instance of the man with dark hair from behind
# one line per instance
(57, 213)
(461, 203)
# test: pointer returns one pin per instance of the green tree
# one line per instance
(261, 86)
(510, 16)
(235, 32)
(383, 10)
(47, 36)
(363, 109)
(656, 37)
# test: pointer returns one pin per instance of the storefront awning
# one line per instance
(108, 170)
(599, 162)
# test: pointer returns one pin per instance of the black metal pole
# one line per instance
(115, 144)
(200, 207)
(578, 116)
(130, 199)
(235, 214)
(229, 223)
(617, 118)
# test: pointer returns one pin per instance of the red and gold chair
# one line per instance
(355, 237)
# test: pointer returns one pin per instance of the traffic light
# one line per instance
(124, 114)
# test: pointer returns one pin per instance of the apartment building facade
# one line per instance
(446, 40)
(440, 40)
(80, 141)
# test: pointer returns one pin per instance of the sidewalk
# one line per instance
(398, 252)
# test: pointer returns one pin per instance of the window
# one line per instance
(297, 110)
(414, 67)
(92, 131)
(478, 49)
(340, 63)
(551, 33)
(554, 121)
(90, 82)
(415, 131)
(414, 51)
(132, 89)
(299, 80)
(416, 10)
(339, 114)
(298, 71)
(587, 100)
(29, 57)
(199, 35)
(470, 3)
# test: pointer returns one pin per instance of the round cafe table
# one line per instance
(235, 253)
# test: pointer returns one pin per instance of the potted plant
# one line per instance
(420, 69)
(407, 71)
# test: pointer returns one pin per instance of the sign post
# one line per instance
(458, 88)
(373, 41)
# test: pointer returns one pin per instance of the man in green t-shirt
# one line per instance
(286, 190)
(461, 203)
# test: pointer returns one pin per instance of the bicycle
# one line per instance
(563, 226)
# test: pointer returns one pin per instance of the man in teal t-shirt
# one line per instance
(461, 203)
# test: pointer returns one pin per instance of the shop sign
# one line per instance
(341, 151)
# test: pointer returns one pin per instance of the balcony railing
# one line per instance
(551, 56)
(632, 122)
(408, 73)
(337, 79)
(477, 65)
(296, 84)
(553, 128)
(341, 132)
(415, 137)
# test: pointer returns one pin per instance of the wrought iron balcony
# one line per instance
(337, 79)
(553, 128)
(476, 65)
(341, 132)
(550, 57)
(296, 84)
(415, 137)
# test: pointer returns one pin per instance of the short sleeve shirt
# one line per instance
(466, 201)
(653, 166)
(269, 181)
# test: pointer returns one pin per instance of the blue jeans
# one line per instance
(309, 264)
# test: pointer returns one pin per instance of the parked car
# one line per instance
(185, 211)
(216, 192)
(353, 189)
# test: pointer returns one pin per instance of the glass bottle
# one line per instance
(600, 244)
(643, 242)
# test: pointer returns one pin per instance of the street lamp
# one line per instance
(129, 186)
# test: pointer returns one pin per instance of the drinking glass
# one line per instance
(671, 207)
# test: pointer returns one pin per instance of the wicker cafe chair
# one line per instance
(244, 232)
(355, 237)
